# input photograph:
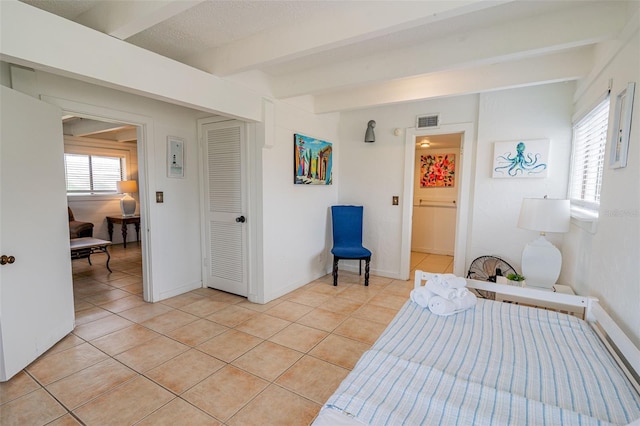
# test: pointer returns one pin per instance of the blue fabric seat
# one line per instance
(347, 239)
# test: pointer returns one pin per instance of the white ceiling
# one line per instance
(101, 130)
(354, 54)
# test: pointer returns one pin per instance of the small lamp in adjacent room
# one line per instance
(541, 260)
(369, 135)
(127, 203)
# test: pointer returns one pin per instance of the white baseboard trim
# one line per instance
(179, 290)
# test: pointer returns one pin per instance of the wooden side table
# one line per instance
(124, 220)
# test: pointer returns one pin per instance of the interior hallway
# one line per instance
(205, 357)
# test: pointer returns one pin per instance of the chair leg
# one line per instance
(335, 270)
(366, 271)
(360, 266)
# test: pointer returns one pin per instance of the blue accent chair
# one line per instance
(347, 239)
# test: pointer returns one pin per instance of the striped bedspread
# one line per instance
(498, 363)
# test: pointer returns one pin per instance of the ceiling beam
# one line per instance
(87, 127)
(328, 32)
(517, 39)
(564, 66)
(65, 48)
(123, 19)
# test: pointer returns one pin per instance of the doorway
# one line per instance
(435, 201)
(466, 135)
(107, 148)
(142, 124)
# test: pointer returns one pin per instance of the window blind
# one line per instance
(589, 143)
(92, 174)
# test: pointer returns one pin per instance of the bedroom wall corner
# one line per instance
(604, 264)
(538, 112)
(296, 238)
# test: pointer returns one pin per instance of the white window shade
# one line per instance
(589, 143)
(92, 174)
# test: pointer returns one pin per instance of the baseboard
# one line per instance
(428, 250)
(179, 290)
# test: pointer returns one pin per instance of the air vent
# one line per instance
(427, 121)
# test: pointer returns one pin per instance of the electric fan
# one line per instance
(487, 268)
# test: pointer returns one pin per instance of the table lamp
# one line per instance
(127, 203)
(541, 260)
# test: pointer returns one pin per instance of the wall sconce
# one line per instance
(369, 136)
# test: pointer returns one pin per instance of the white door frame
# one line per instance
(464, 193)
(145, 169)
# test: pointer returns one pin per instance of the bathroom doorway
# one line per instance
(465, 137)
(435, 201)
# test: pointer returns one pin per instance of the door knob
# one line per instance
(6, 259)
(241, 219)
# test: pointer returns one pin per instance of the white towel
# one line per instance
(441, 306)
(464, 299)
(444, 294)
(436, 287)
(421, 296)
(461, 300)
(451, 281)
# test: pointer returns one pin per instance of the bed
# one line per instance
(497, 363)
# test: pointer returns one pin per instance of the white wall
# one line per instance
(604, 264)
(297, 235)
(540, 112)
(173, 235)
(372, 173)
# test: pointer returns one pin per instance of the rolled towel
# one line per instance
(421, 296)
(451, 281)
(436, 287)
(441, 306)
(464, 299)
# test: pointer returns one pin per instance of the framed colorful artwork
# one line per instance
(312, 161)
(521, 159)
(437, 170)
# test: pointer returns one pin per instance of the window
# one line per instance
(589, 142)
(92, 174)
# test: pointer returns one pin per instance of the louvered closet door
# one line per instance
(226, 225)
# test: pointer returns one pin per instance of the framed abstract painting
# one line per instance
(312, 161)
(437, 170)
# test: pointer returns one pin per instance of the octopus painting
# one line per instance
(523, 163)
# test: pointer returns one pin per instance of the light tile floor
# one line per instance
(205, 357)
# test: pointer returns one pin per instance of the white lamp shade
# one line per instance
(545, 215)
(127, 186)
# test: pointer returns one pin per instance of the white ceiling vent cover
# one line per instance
(428, 121)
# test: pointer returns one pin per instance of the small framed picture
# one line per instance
(621, 127)
(175, 157)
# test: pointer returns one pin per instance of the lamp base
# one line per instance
(541, 264)
(128, 205)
